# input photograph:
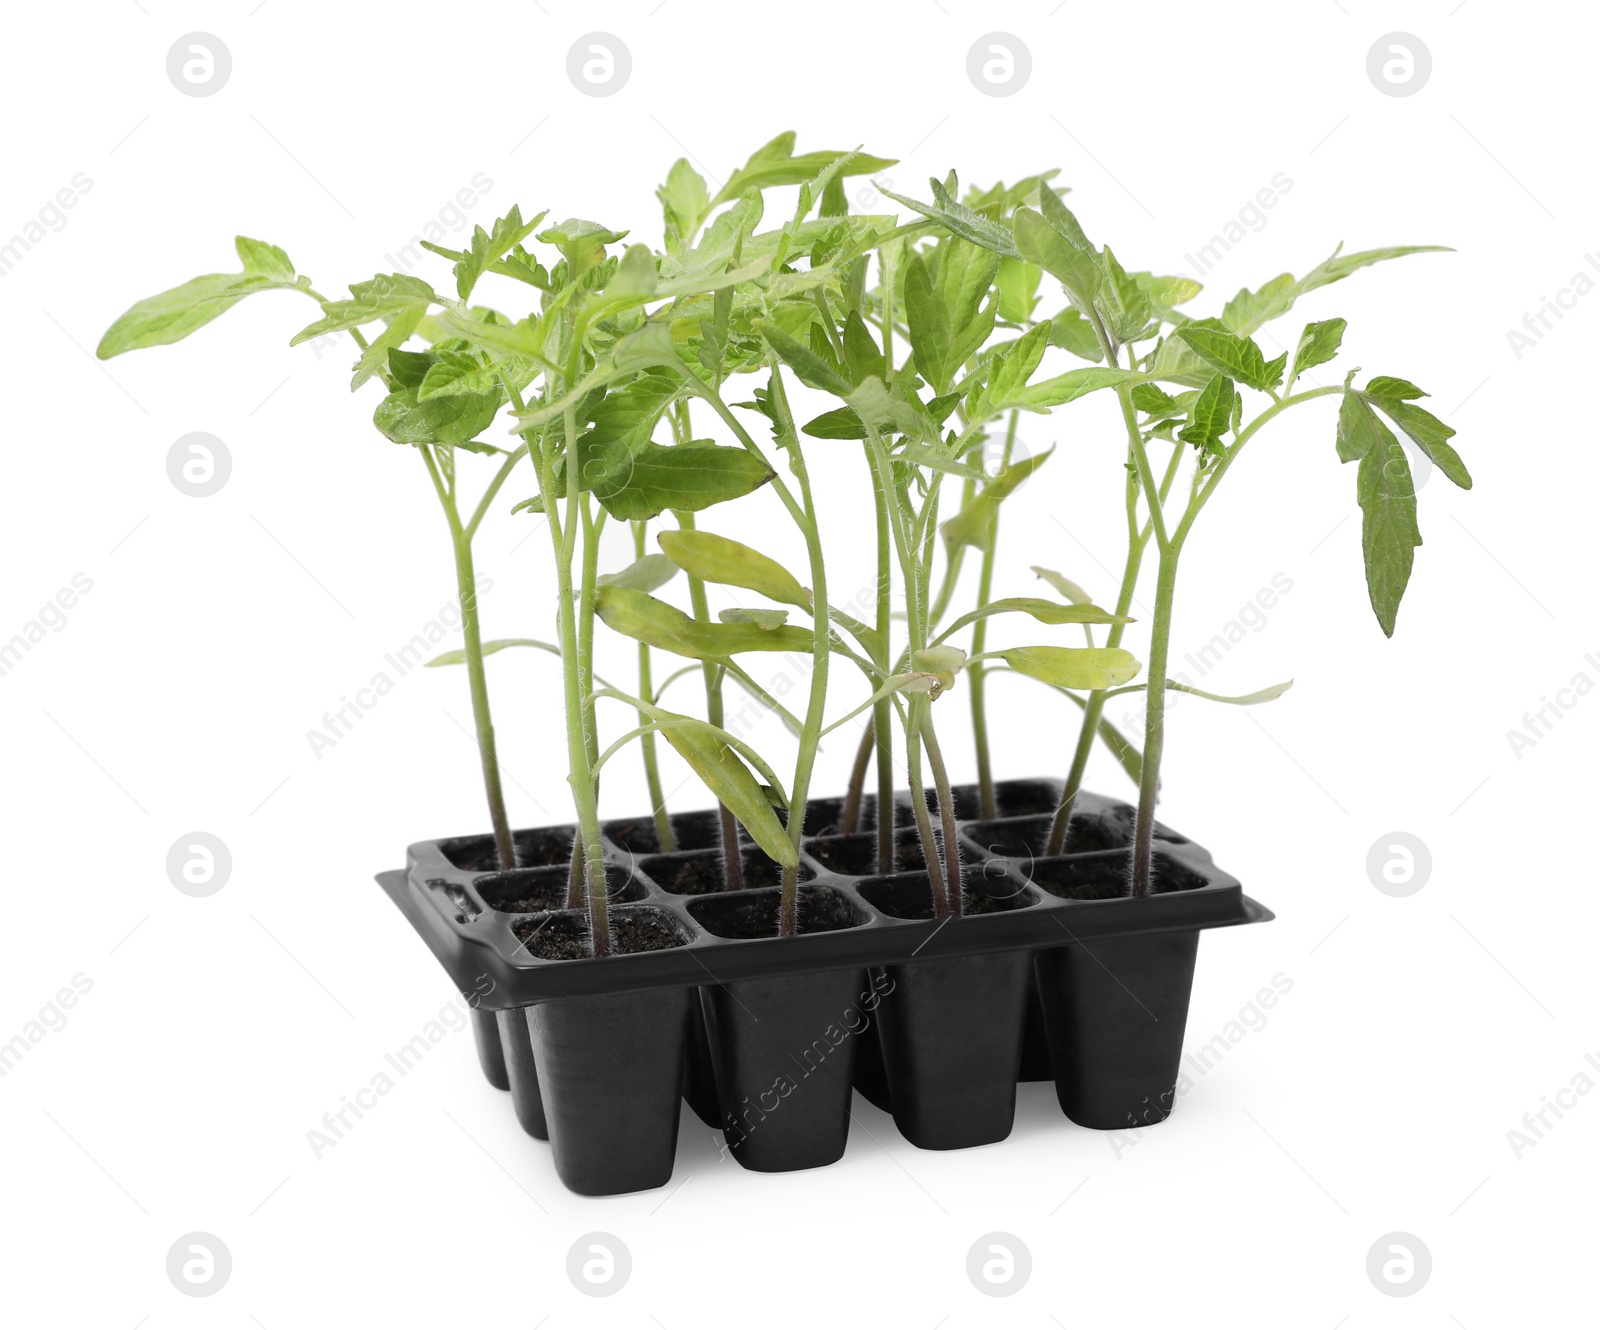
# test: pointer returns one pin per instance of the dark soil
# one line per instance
(530, 890)
(857, 856)
(746, 915)
(908, 896)
(700, 873)
(563, 935)
(536, 847)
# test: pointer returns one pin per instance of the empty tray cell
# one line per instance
(1104, 876)
(563, 935)
(754, 914)
(824, 817)
(907, 896)
(857, 856)
(700, 872)
(1025, 798)
(536, 847)
(529, 890)
(964, 797)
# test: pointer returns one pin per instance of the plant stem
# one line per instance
(467, 590)
(647, 740)
(728, 825)
(947, 821)
(850, 815)
(980, 719)
(580, 777)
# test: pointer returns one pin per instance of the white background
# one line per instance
(179, 693)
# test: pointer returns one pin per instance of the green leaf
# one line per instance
(1062, 221)
(1045, 611)
(960, 220)
(1075, 383)
(1124, 303)
(1237, 357)
(862, 354)
(385, 295)
(1384, 489)
(929, 323)
(489, 247)
(768, 619)
(582, 243)
(1319, 343)
(1040, 243)
(974, 524)
(684, 204)
(453, 421)
(635, 274)
(456, 372)
(459, 655)
(686, 478)
(810, 368)
(1421, 426)
(1211, 416)
(376, 355)
(1168, 292)
(1248, 310)
(1268, 694)
(649, 572)
(1152, 401)
(1018, 285)
(1088, 668)
(774, 164)
(714, 558)
(1064, 586)
(621, 424)
(1072, 332)
(646, 619)
(265, 260)
(840, 423)
(171, 316)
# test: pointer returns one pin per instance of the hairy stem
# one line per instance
(647, 740)
(980, 718)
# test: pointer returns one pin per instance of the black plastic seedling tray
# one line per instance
(459, 909)
(1052, 973)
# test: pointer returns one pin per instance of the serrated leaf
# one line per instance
(1040, 243)
(1147, 397)
(456, 372)
(1072, 332)
(264, 259)
(385, 295)
(974, 524)
(486, 248)
(1168, 292)
(1018, 284)
(376, 355)
(1123, 302)
(686, 478)
(1237, 357)
(959, 219)
(1249, 310)
(1063, 222)
(1075, 383)
(1421, 426)
(1211, 416)
(840, 423)
(774, 163)
(685, 203)
(452, 421)
(1389, 534)
(1319, 343)
(160, 320)
(811, 369)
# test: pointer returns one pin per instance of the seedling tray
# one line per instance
(475, 919)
